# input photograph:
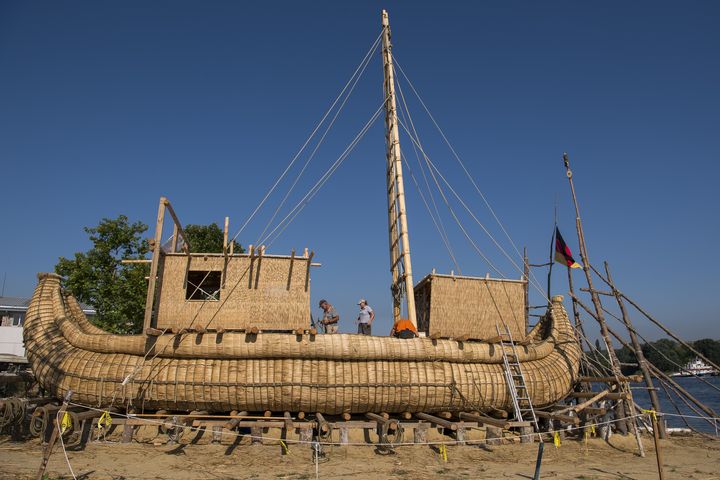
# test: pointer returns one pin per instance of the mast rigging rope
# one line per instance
(312, 134)
(460, 162)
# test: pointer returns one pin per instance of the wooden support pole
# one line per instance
(493, 435)
(381, 420)
(575, 420)
(307, 273)
(225, 237)
(609, 396)
(437, 420)
(256, 433)
(460, 434)
(54, 436)
(628, 378)
(595, 410)
(526, 290)
(260, 253)
(344, 435)
(670, 333)
(323, 425)
(576, 314)
(216, 434)
(128, 431)
(181, 232)
(526, 435)
(290, 269)
(483, 419)
(497, 413)
(659, 374)
(658, 451)
(420, 433)
(642, 362)
(587, 403)
(288, 422)
(306, 434)
(173, 245)
(235, 421)
(627, 405)
(609, 282)
(156, 252)
(614, 362)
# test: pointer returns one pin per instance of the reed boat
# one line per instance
(340, 373)
(230, 331)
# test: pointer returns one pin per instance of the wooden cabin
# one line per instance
(239, 291)
(470, 307)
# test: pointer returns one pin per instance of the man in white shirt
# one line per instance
(365, 318)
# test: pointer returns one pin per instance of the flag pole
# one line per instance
(628, 404)
(552, 255)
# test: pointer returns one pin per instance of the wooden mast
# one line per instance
(400, 265)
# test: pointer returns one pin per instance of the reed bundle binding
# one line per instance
(286, 372)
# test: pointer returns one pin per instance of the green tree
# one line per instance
(207, 239)
(666, 354)
(710, 348)
(97, 277)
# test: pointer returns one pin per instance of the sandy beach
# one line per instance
(684, 457)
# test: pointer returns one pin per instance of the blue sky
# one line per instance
(106, 106)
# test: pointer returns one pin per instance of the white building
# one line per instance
(12, 316)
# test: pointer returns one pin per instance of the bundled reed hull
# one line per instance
(285, 372)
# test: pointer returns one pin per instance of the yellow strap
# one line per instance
(65, 423)
(592, 429)
(556, 439)
(443, 452)
(285, 447)
(651, 412)
(105, 421)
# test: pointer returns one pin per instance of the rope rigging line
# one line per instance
(433, 169)
(649, 344)
(415, 148)
(366, 62)
(323, 179)
(427, 206)
(312, 134)
(460, 162)
(436, 218)
(417, 145)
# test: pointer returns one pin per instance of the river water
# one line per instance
(698, 389)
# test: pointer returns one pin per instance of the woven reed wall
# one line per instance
(265, 292)
(283, 384)
(454, 306)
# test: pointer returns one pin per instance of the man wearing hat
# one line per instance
(365, 318)
(330, 317)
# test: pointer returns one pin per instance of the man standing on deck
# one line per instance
(330, 317)
(365, 318)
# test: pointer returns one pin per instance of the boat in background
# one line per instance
(696, 368)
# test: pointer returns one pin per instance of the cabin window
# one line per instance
(203, 285)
